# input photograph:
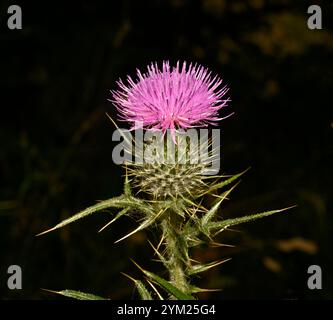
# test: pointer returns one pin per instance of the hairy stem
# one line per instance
(176, 252)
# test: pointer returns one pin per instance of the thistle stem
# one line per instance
(176, 252)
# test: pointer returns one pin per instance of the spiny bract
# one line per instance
(168, 180)
(165, 173)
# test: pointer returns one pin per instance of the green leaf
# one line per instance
(211, 213)
(194, 242)
(166, 285)
(192, 228)
(127, 186)
(162, 259)
(223, 183)
(146, 223)
(222, 225)
(179, 209)
(77, 295)
(119, 214)
(144, 293)
(204, 267)
(118, 202)
(156, 291)
(195, 289)
(170, 288)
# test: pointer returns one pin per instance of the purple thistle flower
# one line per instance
(181, 97)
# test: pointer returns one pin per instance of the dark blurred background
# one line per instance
(55, 156)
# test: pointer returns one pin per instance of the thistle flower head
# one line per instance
(163, 173)
(167, 180)
(184, 96)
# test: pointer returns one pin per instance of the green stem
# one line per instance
(176, 252)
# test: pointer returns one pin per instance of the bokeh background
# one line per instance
(55, 155)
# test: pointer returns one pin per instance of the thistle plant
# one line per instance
(170, 193)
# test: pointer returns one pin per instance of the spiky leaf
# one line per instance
(143, 291)
(223, 183)
(195, 289)
(156, 291)
(170, 288)
(204, 267)
(114, 202)
(222, 225)
(166, 285)
(119, 214)
(127, 186)
(117, 202)
(146, 223)
(78, 295)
